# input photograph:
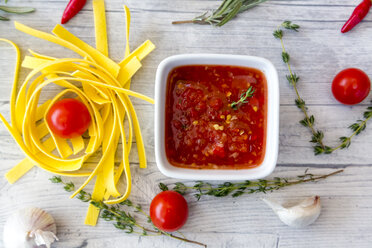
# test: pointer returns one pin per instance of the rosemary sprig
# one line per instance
(309, 120)
(246, 187)
(243, 98)
(225, 12)
(123, 219)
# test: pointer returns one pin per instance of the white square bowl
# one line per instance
(272, 128)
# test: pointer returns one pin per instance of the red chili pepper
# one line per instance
(73, 7)
(357, 16)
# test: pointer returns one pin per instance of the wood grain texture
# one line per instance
(318, 52)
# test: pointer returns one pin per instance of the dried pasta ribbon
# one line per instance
(100, 26)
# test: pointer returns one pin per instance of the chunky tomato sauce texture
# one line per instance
(203, 130)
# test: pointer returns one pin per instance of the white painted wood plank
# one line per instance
(223, 240)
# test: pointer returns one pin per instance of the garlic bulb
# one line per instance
(29, 228)
(300, 215)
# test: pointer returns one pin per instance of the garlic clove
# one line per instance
(29, 228)
(302, 214)
(44, 238)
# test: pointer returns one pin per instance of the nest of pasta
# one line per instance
(103, 86)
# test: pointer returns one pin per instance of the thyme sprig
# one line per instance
(225, 12)
(243, 98)
(123, 219)
(69, 187)
(309, 120)
(246, 187)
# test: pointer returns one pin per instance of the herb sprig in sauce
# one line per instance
(243, 98)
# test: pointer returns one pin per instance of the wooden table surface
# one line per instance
(318, 52)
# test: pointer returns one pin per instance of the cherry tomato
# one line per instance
(351, 86)
(68, 118)
(169, 211)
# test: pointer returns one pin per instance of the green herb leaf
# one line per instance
(17, 10)
(289, 25)
(127, 202)
(180, 188)
(318, 150)
(300, 103)
(285, 57)
(367, 114)
(230, 15)
(278, 34)
(163, 187)
(69, 187)
(317, 137)
(56, 179)
(292, 78)
(84, 196)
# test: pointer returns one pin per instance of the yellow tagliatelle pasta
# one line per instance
(103, 86)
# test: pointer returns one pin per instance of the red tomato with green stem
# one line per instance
(68, 118)
(169, 211)
(351, 86)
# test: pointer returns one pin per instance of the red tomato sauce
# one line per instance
(202, 129)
